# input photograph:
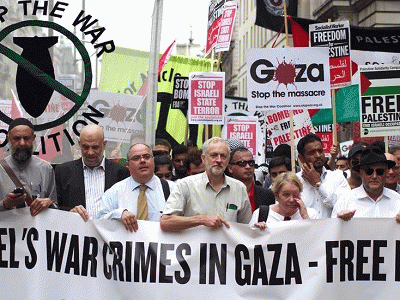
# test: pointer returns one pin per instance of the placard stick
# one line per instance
(293, 159)
(334, 133)
(386, 144)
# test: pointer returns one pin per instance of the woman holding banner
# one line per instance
(287, 188)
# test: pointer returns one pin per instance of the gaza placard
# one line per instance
(379, 100)
(290, 78)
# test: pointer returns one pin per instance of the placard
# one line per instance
(244, 129)
(288, 78)
(335, 36)
(206, 98)
(379, 100)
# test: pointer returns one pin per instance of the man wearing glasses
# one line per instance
(371, 199)
(241, 167)
(210, 198)
(139, 197)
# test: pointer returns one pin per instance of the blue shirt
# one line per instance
(124, 195)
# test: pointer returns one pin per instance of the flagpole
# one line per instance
(293, 160)
(153, 73)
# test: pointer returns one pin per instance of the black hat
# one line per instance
(19, 121)
(371, 156)
(356, 149)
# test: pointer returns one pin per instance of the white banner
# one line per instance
(288, 78)
(56, 255)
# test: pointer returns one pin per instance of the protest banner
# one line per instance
(325, 133)
(288, 78)
(335, 36)
(379, 100)
(215, 11)
(245, 129)
(180, 93)
(56, 255)
(226, 26)
(206, 98)
(119, 110)
(278, 126)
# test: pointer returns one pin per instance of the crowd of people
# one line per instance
(186, 187)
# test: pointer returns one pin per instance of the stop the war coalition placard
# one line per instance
(206, 98)
(291, 78)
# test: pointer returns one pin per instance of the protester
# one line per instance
(322, 187)
(81, 183)
(342, 163)
(179, 155)
(192, 146)
(162, 147)
(277, 166)
(371, 199)
(210, 198)
(287, 188)
(35, 176)
(354, 180)
(393, 174)
(163, 167)
(395, 150)
(193, 163)
(241, 167)
(139, 197)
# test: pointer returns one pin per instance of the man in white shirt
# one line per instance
(139, 197)
(322, 187)
(371, 199)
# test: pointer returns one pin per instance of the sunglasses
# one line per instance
(243, 163)
(379, 172)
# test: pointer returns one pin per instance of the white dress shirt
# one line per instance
(274, 217)
(94, 180)
(386, 206)
(124, 196)
(323, 198)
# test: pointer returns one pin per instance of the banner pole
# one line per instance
(386, 144)
(293, 159)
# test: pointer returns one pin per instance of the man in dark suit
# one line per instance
(81, 183)
(241, 167)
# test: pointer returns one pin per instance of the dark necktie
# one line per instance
(286, 219)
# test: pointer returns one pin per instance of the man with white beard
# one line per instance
(209, 198)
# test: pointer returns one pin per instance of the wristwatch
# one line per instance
(317, 185)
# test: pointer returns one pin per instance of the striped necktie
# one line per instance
(142, 209)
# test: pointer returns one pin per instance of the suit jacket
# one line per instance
(263, 196)
(70, 181)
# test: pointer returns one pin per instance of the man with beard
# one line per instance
(81, 183)
(139, 197)
(372, 199)
(35, 174)
(322, 187)
(209, 198)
